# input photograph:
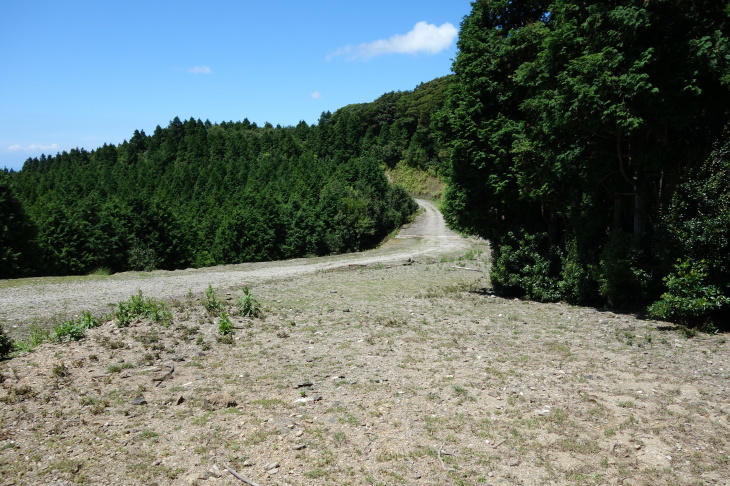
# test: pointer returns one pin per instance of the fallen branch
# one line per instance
(238, 476)
(443, 465)
(467, 268)
(165, 376)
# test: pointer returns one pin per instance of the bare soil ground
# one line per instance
(395, 372)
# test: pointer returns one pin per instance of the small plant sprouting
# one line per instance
(212, 304)
(37, 335)
(248, 306)
(96, 405)
(340, 437)
(225, 326)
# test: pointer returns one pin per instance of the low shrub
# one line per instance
(689, 300)
(6, 344)
(521, 268)
(623, 280)
(142, 258)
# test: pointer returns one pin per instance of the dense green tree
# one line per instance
(569, 125)
(17, 234)
(695, 230)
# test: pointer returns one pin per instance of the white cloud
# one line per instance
(424, 38)
(33, 147)
(315, 95)
(197, 70)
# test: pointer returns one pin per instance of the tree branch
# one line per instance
(238, 476)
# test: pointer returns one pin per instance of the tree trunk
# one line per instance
(617, 214)
(638, 212)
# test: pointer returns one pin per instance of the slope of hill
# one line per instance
(200, 194)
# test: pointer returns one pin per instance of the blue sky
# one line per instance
(85, 73)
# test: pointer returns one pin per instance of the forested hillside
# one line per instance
(199, 194)
(582, 136)
(588, 141)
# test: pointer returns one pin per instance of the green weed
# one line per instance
(119, 367)
(18, 394)
(248, 306)
(68, 331)
(75, 329)
(211, 303)
(138, 306)
(225, 326)
(96, 405)
(37, 335)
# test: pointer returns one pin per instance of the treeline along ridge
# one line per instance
(200, 194)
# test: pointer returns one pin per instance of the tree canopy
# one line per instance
(572, 125)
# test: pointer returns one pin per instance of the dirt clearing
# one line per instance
(400, 373)
(385, 367)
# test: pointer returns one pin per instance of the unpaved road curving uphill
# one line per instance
(24, 301)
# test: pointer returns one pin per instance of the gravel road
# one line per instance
(24, 301)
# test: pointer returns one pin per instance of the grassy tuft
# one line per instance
(101, 271)
(75, 329)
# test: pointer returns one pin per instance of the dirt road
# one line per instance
(24, 301)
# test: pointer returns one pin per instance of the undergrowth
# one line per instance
(6, 344)
(140, 307)
(75, 329)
